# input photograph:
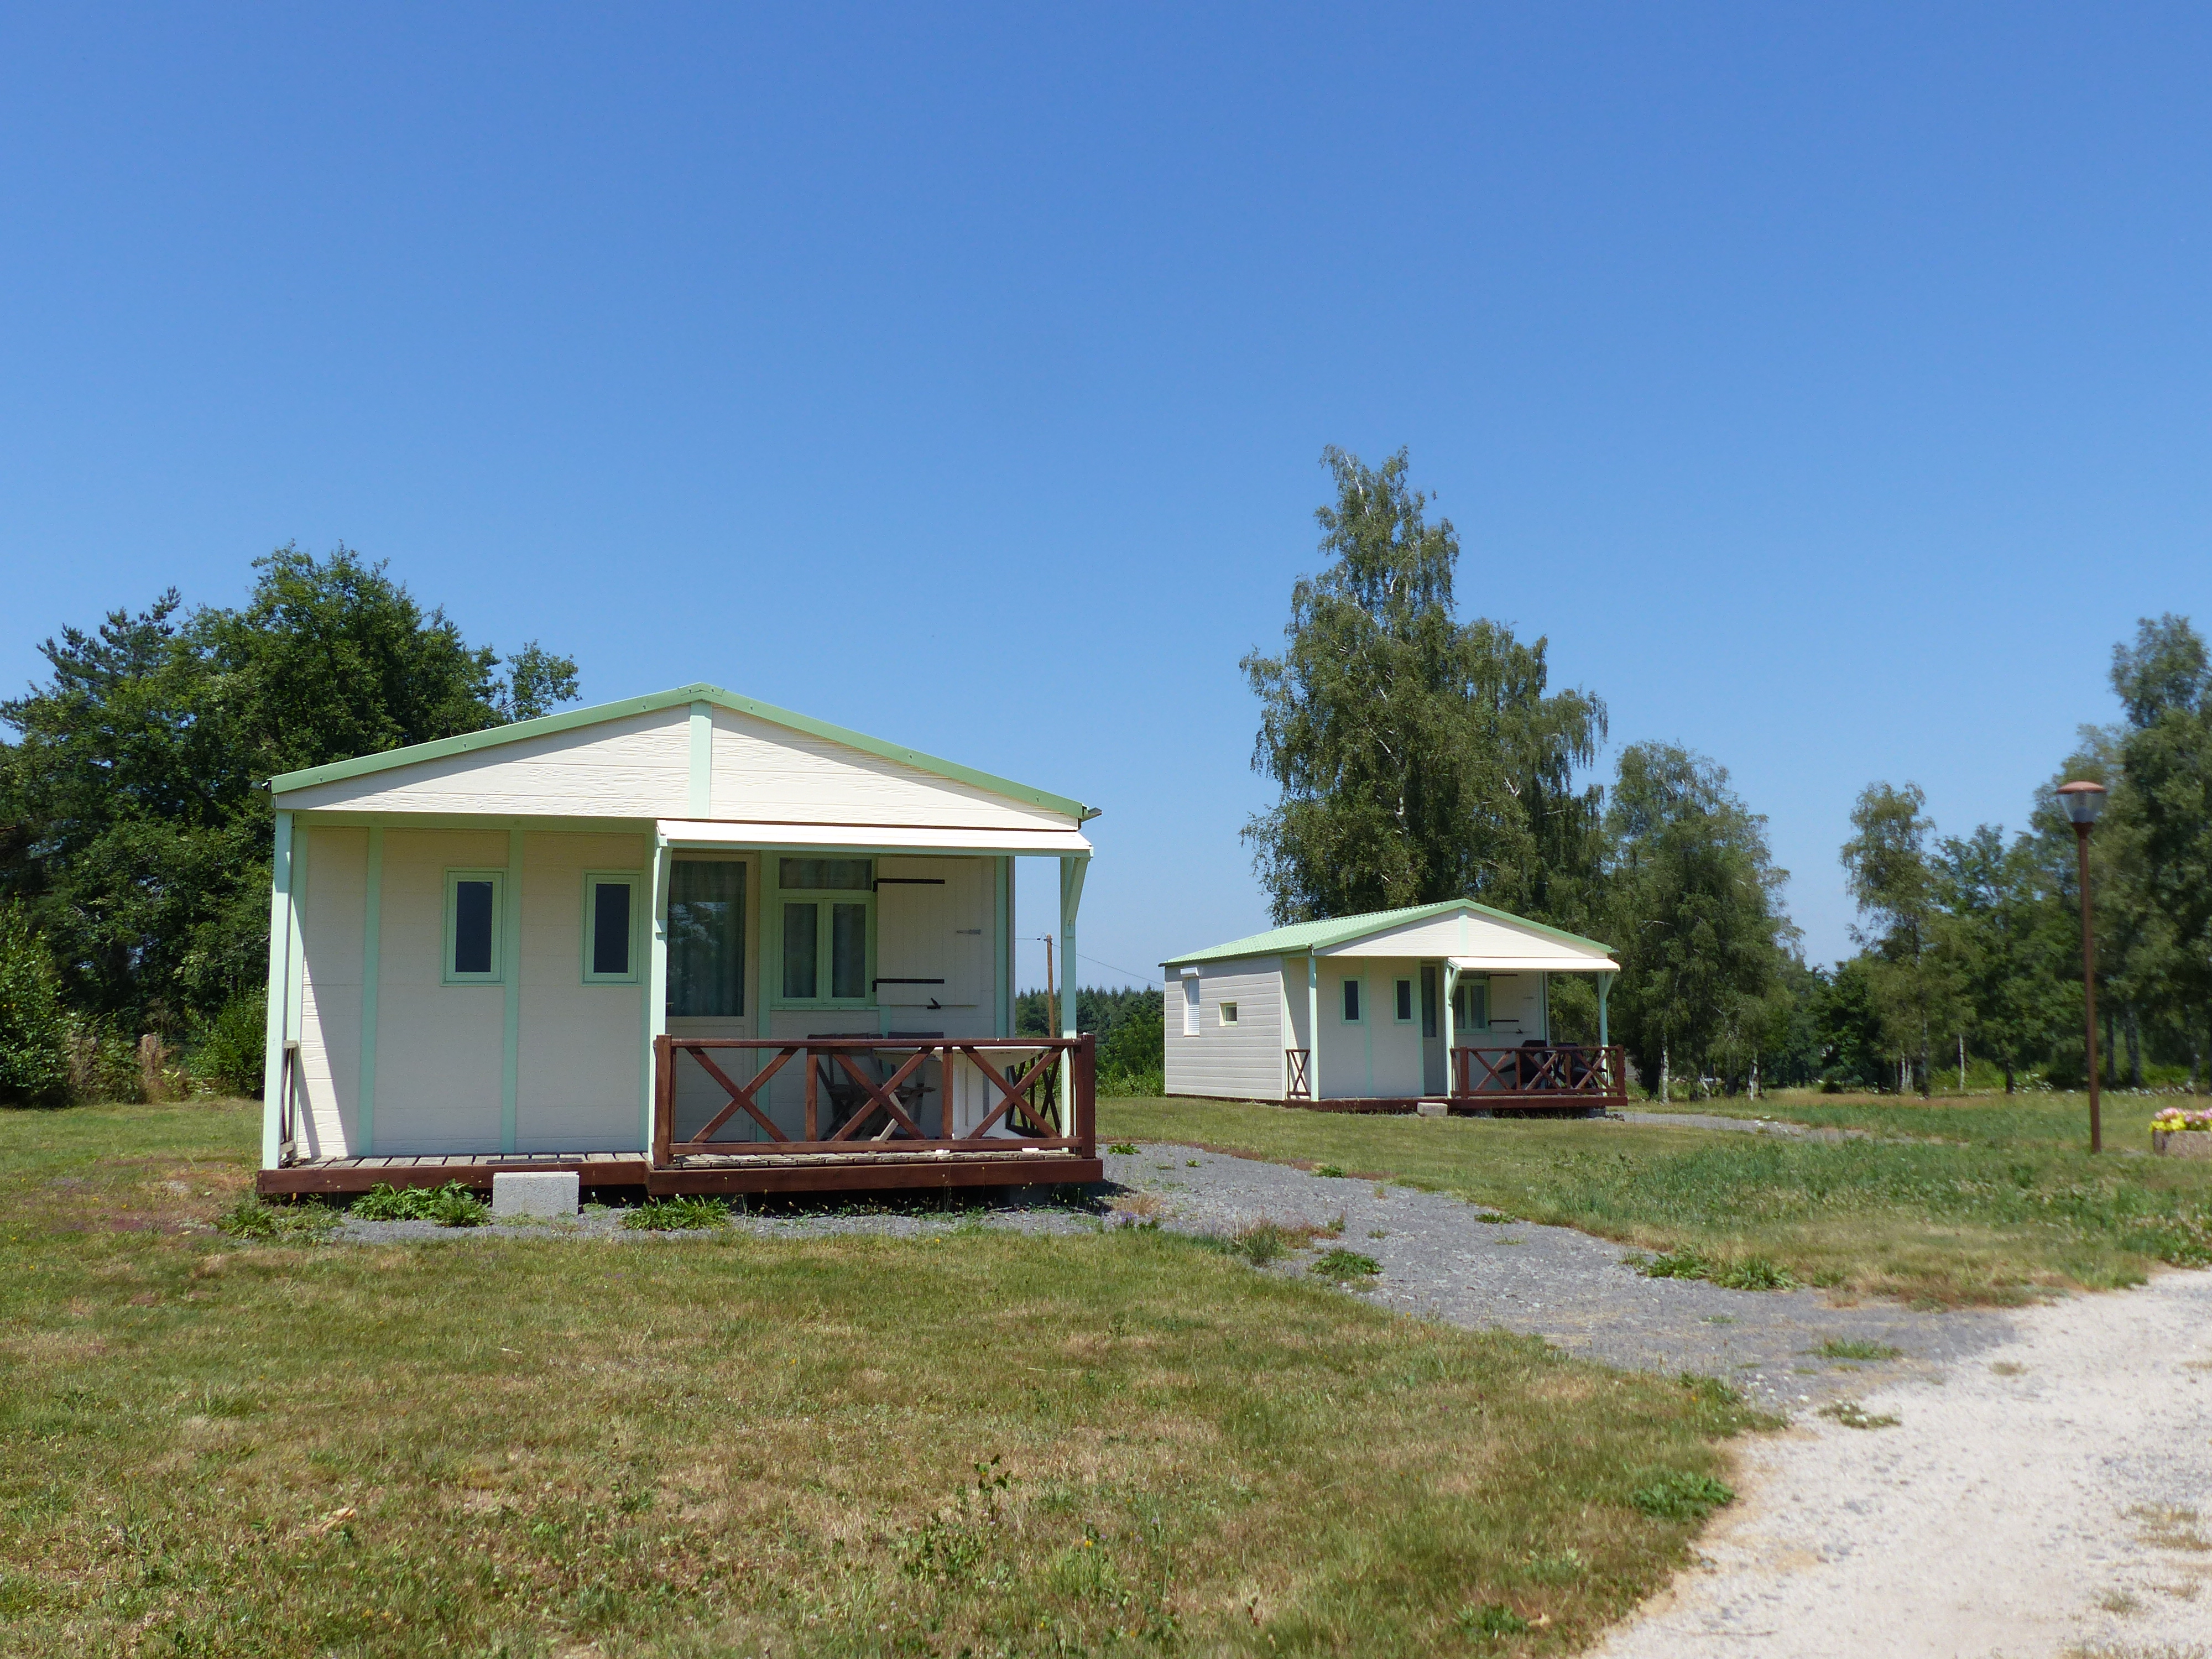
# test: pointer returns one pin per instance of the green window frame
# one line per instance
(597, 912)
(475, 924)
(1402, 1003)
(826, 908)
(1471, 1005)
(1228, 1012)
(1353, 1005)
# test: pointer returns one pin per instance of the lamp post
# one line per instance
(2083, 801)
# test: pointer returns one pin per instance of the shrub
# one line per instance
(450, 1206)
(1492, 1619)
(232, 1045)
(34, 1059)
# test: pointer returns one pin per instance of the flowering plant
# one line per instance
(2174, 1118)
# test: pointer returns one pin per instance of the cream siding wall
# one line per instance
(440, 1048)
(763, 770)
(332, 900)
(1244, 1061)
(580, 1072)
(635, 768)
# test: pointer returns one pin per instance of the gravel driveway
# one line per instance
(1442, 1259)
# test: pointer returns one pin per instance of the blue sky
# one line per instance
(1829, 385)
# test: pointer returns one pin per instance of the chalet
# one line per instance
(1448, 1004)
(682, 943)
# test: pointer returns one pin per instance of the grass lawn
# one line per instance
(1117, 1443)
(1983, 1203)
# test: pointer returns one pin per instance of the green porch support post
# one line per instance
(1313, 1026)
(1073, 870)
(656, 988)
(372, 972)
(1451, 1038)
(510, 946)
(1604, 989)
(1002, 995)
(275, 1075)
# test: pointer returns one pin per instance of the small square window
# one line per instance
(472, 927)
(1228, 1013)
(611, 910)
(1352, 1002)
(1405, 1002)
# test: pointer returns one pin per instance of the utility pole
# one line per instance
(2083, 801)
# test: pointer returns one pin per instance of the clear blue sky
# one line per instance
(1830, 386)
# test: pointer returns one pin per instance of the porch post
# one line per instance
(1073, 870)
(1604, 987)
(275, 1074)
(1451, 989)
(656, 987)
(372, 976)
(1002, 945)
(1313, 1027)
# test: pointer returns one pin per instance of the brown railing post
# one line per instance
(1086, 1094)
(664, 1101)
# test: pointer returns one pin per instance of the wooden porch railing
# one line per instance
(1552, 1071)
(1301, 1064)
(887, 1111)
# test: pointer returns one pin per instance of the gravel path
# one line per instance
(1440, 1258)
(2053, 1498)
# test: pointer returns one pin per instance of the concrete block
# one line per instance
(531, 1192)
(1431, 1109)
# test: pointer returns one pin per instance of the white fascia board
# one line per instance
(1535, 964)
(726, 833)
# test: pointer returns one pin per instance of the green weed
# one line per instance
(1344, 1266)
(1678, 1495)
(296, 1224)
(678, 1214)
(450, 1206)
(1852, 1347)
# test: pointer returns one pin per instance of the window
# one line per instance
(1190, 1004)
(611, 928)
(827, 905)
(706, 938)
(1352, 1002)
(472, 925)
(1405, 988)
(1228, 1013)
(1471, 1006)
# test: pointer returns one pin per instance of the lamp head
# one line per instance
(2082, 799)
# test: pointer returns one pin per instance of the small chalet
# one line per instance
(1447, 1003)
(682, 943)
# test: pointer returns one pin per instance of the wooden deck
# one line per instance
(1483, 1105)
(871, 1171)
(865, 1127)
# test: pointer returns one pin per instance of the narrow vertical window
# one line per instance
(706, 938)
(610, 929)
(848, 950)
(1405, 1002)
(472, 922)
(1352, 1002)
(1190, 1026)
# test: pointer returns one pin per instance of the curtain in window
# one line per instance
(800, 947)
(706, 938)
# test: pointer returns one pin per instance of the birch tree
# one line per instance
(1419, 757)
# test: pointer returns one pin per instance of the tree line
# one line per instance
(135, 819)
(1420, 757)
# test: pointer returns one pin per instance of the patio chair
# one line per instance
(848, 1100)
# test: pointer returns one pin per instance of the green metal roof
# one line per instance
(1302, 936)
(545, 725)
